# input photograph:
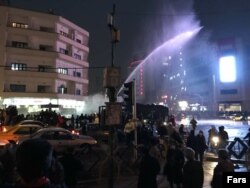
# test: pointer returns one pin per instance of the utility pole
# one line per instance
(111, 81)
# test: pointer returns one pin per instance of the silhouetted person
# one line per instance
(224, 165)
(201, 146)
(174, 164)
(193, 174)
(33, 160)
(149, 168)
(7, 158)
(72, 167)
(223, 135)
(181, 131)
(191, 141)
(193, 123)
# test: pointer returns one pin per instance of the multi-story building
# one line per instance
(43, 60)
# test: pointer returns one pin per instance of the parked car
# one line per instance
(18, 132)
(24, 122)
(61, 139)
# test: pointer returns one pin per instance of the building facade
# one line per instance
(43, 60)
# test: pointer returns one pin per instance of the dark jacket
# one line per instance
(174, 165)
(221, 167)
(149, 168)
(201, 144)
(193, 174)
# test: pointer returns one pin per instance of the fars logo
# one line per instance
(236, 179)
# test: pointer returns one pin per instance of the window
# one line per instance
(79, 41)
(78, 92)
(17, 88)
(20, 25)
(64, 34)
(18, 66)
(228, 91)
(19, 44)
(41, 89)
(64, 51)
(64, 136)
(44, 68)
(41, 68)
(47, 136)
(77, 74)
(77, 56)
(62, 71)
(23, 131)
(62, 89)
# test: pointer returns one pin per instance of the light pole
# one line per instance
(115, 38)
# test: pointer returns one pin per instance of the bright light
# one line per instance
(183, 105)
(215, 140)
(227, 69)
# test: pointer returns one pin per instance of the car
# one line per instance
(61, 139)
(24, 122)
(18, 132)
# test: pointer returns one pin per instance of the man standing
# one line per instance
(193, 174)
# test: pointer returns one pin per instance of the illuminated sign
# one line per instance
(227, 66)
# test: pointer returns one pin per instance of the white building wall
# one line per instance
(45, 34)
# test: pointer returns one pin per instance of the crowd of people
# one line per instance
(183, 155)
(183, 163)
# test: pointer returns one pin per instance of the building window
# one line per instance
(18, 66)
(62, 89)
(20, 25)
(77, 74)
(64, 34)
(17, 88)
(228, 91)
(79, 41)
(19, 44)
(44, 68)
(41, 89)
(62, 71)
(77, 56)
(64, 51)
(78, 92)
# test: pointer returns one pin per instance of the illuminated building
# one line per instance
(43, 59)
(230, 93)
(139, 79)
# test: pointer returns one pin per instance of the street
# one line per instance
(128, 178)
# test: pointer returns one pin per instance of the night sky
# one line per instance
(144, 24)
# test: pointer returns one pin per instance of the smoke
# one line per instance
(93, 102)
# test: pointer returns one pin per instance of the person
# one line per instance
(191, 141)
(248, 138)
(193, 173)
(7, 159)
(212, 132)
(176, 137)
(33, 162)
(72, 166)
(181, 131)
(201, 146)
(224, 165)
(193, 123)
(174, 163)
(129, 131)
(223, 136)
(148, 170)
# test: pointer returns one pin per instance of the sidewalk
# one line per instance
(131, 181)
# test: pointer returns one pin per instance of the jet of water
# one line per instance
(171, 44)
